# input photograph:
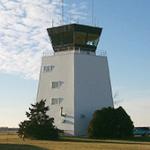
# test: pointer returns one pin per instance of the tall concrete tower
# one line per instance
(74, 80)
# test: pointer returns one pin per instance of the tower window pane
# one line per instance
(48, 68)
(80, 38)
(57, 84)
(92, 39)
(56, 101)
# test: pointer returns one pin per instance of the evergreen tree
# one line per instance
(38, 125)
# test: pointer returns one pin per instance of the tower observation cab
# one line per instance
(74, 37)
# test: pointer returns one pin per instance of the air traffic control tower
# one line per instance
(74, 80)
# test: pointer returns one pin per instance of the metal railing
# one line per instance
(99, 53)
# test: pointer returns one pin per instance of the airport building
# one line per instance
(74, 80)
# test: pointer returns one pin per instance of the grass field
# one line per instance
(12, 142)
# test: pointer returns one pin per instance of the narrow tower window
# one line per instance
(56, 101)
(48, 68)
(57, 84)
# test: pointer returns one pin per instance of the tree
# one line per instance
(110, 123)
(39, 125)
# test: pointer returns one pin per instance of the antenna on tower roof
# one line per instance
(92, 12)
(62, 4)
(52, 22)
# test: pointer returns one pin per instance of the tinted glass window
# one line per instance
(57, 39)
(92, 39)
(80, 38)
(68, 37)
(62, 38)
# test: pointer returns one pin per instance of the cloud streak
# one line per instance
(23, 36)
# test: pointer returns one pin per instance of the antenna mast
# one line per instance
(62, 4)
(92, 12)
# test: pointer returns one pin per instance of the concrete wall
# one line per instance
(92, 89)
(63, 71)
(86, 87)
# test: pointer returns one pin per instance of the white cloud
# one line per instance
(23, 36)
(77, 13)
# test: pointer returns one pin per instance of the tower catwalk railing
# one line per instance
(100, 53)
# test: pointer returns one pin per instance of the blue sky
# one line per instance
(23, 39)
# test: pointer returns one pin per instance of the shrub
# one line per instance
(110, 123)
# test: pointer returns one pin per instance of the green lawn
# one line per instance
(19, 147)
(12, 142)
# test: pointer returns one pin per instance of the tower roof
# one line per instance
(74, 37)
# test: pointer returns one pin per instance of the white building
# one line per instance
(74, 81)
